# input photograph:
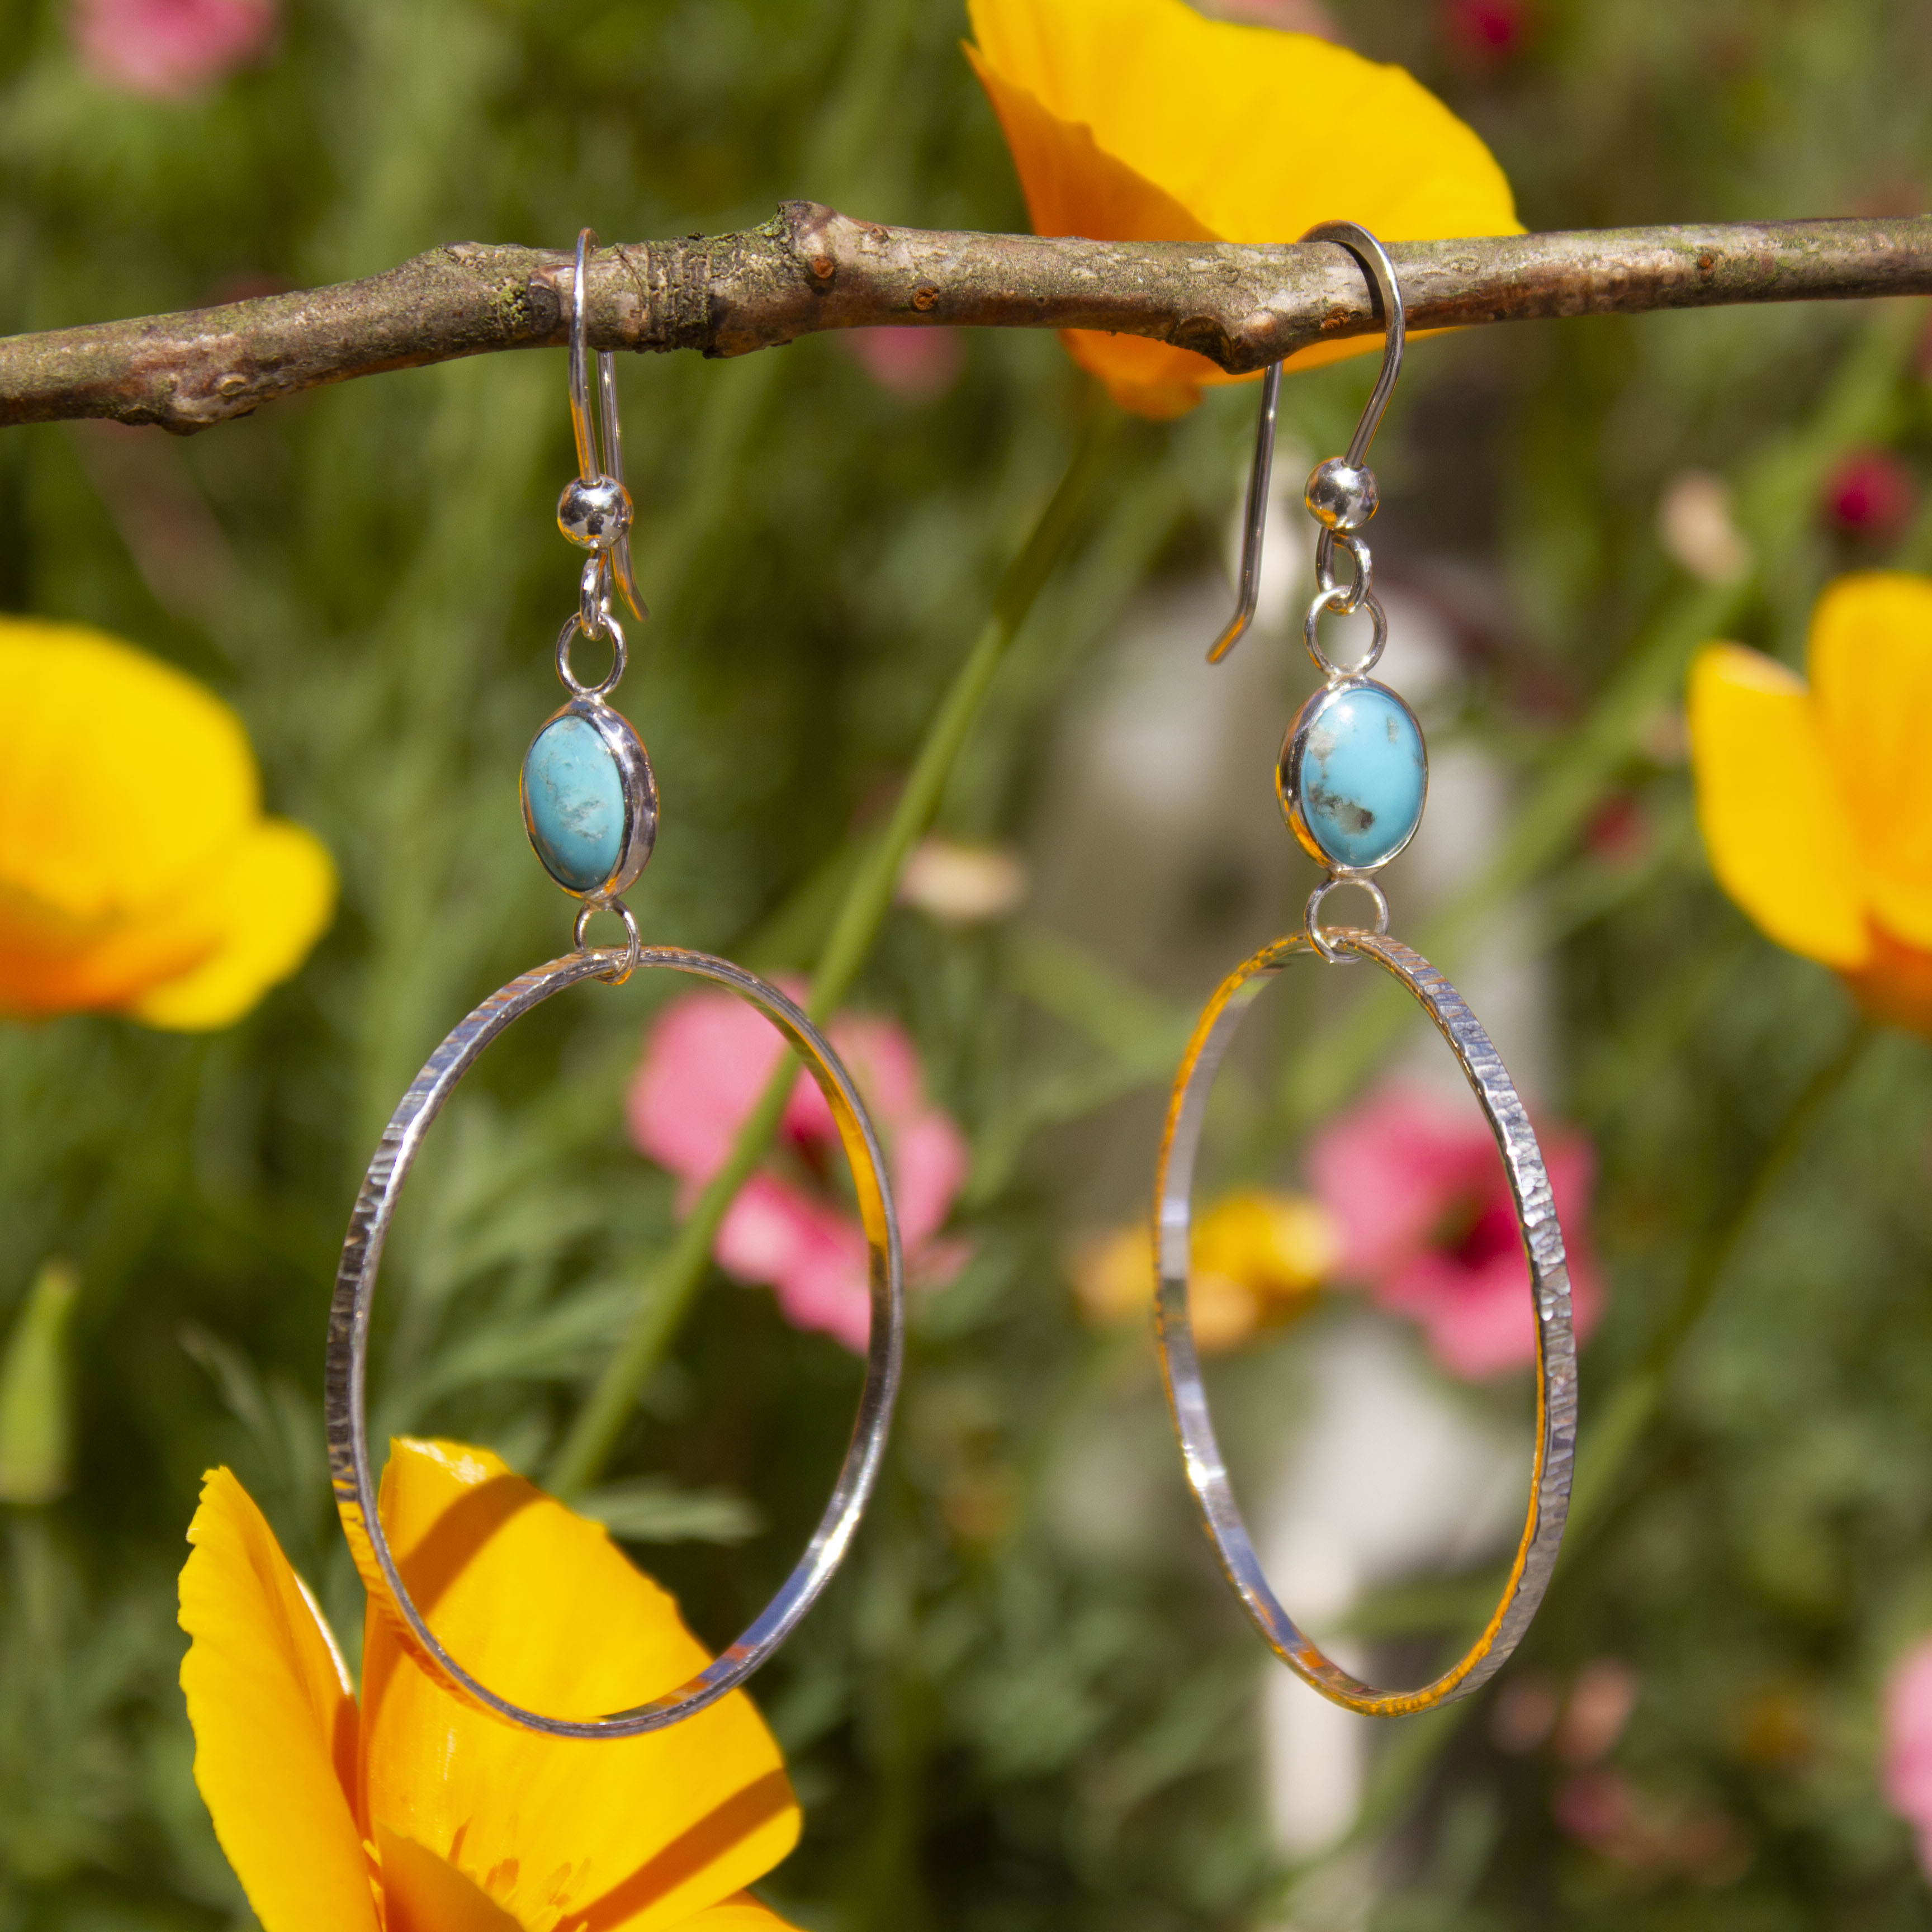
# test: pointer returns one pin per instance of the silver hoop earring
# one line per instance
(1352, 780)
(590, 809)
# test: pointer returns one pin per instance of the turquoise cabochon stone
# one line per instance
(1363, 774)
(574, 803)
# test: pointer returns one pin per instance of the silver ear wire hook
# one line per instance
(592, 467)
(1341, 493)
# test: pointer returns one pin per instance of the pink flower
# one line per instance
(706, 1060)
(919, 365)
(169, 49)
(1871, 493)
(1907, 1772)
(1490, 29)
(1417, 1186)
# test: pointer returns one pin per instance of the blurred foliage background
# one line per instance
(991, 1724)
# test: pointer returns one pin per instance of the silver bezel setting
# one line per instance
(1288, 774)
(640, 795)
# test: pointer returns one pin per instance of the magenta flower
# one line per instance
(706, 1060)
(1907, 1772)
(1416, 1188)
(1871, 493)
(1490, 29)
(169, 49)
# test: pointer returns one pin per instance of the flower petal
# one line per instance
(1906, 1770)
(587, 1834)
(274, 1722)
(1770, 805)
(1137, 120)
(742, 1914)
(706, 1060)
(811, 1255)
(1391, 1167)
(198, 962)
(269, 900)
(1871, 680)
(929, 1161)
(121, 778)
(1072, 186)
(423, 1893)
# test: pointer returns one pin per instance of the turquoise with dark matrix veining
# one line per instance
(1364, 776)
(573, 801)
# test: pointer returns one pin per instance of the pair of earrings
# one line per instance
(1352, 780)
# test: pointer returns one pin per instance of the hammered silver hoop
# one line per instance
(344, 1411)
(1549, 1290)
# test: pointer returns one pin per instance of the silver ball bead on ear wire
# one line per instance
(594, 515)
(1339, 495)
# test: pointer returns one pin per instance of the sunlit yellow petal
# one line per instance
(51, 962)
(1894, 987)
(423, 1893)
(1141, 120)
(1152, 378)
(274, 1724)
(1871, 681)
(1774, 818)
(742, 1914)
(120, 778)
(1232, 121)
(199, 960)
(542, 1607)
(268, 902)
(1072, 186)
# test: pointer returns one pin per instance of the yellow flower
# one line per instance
(1816, 802)
(1257, 1257)
(137, 875)
(1141, 121)
(415, 1812)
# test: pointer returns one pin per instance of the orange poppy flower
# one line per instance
(1815, 802)
(1143, 121)
(137, 875)
(414, 1812)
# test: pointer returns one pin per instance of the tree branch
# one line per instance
(809, 268)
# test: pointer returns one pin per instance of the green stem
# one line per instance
(672, 1285)
(1630, 1406)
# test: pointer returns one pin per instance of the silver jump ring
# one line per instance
(349, 1318)
(1549, 1291)
(565, 637)
(1331, 599)
(593, 594)
(1324, 567)
(1311, 916)
(627, 962)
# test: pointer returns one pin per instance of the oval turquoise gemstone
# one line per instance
(573, 801)
(1363, 775)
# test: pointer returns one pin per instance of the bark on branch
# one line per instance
(811, 268)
